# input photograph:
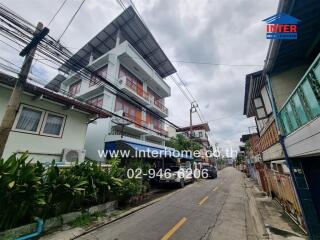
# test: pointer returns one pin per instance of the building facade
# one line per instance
(199, 134)
(292, 80)
(125, 54)
(264, 154)
(46, 125)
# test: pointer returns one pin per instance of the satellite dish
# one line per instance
(121, 122)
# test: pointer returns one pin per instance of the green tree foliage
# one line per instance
(180, 142)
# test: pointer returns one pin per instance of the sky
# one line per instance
(191, 32)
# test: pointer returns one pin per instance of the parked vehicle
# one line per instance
(211, 170)
(178, 175)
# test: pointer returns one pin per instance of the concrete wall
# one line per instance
(44, 148)
(284, 83)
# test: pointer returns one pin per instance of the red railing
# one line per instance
(161, 106)
(137, 89)
(138, 122)
(160, 130)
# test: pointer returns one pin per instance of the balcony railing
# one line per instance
(138, 122)
(303, 105)
(137, 89)
(158, 104)
(161, 131)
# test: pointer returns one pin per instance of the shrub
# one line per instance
(28, 189)
(64, 191)
(21, 190)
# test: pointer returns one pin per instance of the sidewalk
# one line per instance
(275, 221)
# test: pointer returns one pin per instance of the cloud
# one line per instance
(189, 31)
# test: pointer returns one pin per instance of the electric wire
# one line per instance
(56, 56)
(70, 21)
(57, 12)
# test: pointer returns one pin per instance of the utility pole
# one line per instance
(193, 109)
(15, 99)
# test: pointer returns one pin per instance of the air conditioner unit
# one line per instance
(72, 156)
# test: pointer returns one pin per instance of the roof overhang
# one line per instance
(10, 81)
(254, 83)
(144, 150)
(285, 54)
(132, 29)
(202, 126)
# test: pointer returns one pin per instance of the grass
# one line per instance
(82, 221)
(86, 219)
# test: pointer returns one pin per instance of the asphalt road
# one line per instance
(208, 209)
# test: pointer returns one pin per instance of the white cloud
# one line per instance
(229, 32)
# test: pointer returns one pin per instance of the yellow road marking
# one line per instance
(203, 200)
(174, 229)
(215, 189)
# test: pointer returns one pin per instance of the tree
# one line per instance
(180, 142)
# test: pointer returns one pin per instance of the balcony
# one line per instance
(129, 56)
(300, 114)
(158, 134)
(135, 128)
(133, 90)
(158, 107)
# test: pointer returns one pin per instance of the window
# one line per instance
(299, 109)
(131, 79)
(103, 72)
(75, 88)
(38, 121)
(285, 124)
(128, 109)
(291, 117)
(29, 119)
(200, 134)
(53, 124)
(311, 99)
(96, 101)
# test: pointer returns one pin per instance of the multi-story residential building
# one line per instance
(292, 72)
(199, 134)
(127, 55)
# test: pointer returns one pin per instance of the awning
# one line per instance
(129, 149)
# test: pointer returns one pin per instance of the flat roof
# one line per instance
(136, 33)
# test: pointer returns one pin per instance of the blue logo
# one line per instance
(281, 26)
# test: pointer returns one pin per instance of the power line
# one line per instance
(231, 116)
(59, 9)
(191, 98)
(70, 21)
(53, 50)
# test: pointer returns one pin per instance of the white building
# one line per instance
(199, 134)
(48, 125)
(127, 55)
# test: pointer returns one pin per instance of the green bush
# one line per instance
(28, 189)
(21, 190)
(101, 183)
(64, 191)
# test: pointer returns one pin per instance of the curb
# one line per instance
(123, 215)
(75, 233)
